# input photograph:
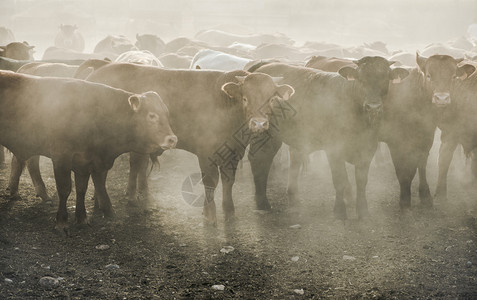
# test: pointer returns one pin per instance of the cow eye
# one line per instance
(428, 77)
(152, 117)
(454, 76)
(244, 99)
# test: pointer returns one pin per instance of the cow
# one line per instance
(151, 43)
(116, 44)
(216, 60)
(55, 53)
(17, 50)
(175, 61)
(221, 38)
(453, 91)
(88, 66)
(174, 45)
(143, 57)
(44, 69)
(6, 36)
(9, 64)
(82, 127)
(336, 112)
(212, 114)
(410, 119)
(69, 37)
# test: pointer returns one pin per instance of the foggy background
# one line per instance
(402, 24)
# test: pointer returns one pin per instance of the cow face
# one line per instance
(371, 83)
(151, 118)
(440, 74)
(256, 92)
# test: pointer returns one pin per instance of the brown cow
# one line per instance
(82, 127)
(211, 112)
(43, 69)
(336, 112)
(410, 119)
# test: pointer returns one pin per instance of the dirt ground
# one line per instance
(167, 253)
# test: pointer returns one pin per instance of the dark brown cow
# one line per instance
(209, 111)
(69, 38)
(410, 119)
(328, 64)
(17, 50)
(338, 113)
(82, 127)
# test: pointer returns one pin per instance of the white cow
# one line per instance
(216, 60)
(142, 57)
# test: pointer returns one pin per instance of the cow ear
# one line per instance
(232, 89)
(348, 73)
(398, 74)
(285, 91)
(134, 102)
(197, 67)
(465, 71)
(421, 61)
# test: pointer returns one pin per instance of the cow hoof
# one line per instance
(83, 220)
(230, 219)
(441, 198)
(262, 203)
(109, 214)
(210, 223)
(363, 214)
(62, 228)
(340, 215)
(133, 203)
(427, 202)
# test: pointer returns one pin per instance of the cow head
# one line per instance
(440, 73)
(151, 119)
(256, 92)
(371, 83)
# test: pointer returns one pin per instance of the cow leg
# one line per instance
(446, 152)
(33, 165)
(361, 174)
(473, 166)
(339, 176)
(81, 184)
(99, 180)
(137, 177)
(2, 157)
(405, 168)
(260, 163)
(210, 178)
(297, 160)
(424, 191)
(17, 167)
(227, 174)
(62, 172)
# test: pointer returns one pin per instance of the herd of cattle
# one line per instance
(256, 90)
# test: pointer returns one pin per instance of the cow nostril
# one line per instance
(171, 140)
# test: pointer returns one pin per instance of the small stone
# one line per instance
(299, 291)
(102, 247)
(295, 258)
(375, 256)
(49, 282)
(16, 249)
(468, 264)
(347, 257)
(227, 249)
(469, 241)
(182, 245)
(8, 280)
(296, 226)
(218, 287)
(112, 267)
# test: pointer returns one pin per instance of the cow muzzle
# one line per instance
(373, 110)
(170, 142)
(441, 99)
(257, 125)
